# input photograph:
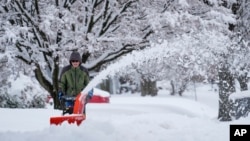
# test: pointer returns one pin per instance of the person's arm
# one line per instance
(62, 79)
(86, 76)
(63, 83)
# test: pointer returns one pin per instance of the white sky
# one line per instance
(127, 118)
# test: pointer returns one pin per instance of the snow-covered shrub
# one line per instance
(16, 89)
(23, 92)
(38, 101)
(7, 101)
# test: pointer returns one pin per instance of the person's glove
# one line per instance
(90, 93)
(60, 94)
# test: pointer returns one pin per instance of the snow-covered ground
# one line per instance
(127, 117)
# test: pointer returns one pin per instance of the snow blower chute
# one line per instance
(75, 107)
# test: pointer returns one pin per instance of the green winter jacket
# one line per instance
(73, 80)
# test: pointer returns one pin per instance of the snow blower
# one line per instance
(75, 107)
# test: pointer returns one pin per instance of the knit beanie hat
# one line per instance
(75, 56)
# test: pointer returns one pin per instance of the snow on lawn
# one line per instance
(127, 117)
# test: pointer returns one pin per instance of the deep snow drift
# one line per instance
(127, 117)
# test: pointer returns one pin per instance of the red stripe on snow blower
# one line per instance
(69, 118)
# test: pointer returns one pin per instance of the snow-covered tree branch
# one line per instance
(43, 33)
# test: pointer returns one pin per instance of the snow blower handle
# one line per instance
(60, 94)
(90, 93)
(89, 96)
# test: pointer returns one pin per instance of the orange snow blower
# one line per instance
(76, 110)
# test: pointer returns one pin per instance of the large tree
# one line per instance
(235, 66)
(241, 46)
(43, 32)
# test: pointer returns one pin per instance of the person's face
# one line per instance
(75, 63)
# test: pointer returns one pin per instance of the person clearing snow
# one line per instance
(73, 79)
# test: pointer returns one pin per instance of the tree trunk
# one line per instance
(148, 87)
(182, 87)
(243, 82)
(226, 87)
(52, 89)
(173, 87)
(105, 85)
(55, 80)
